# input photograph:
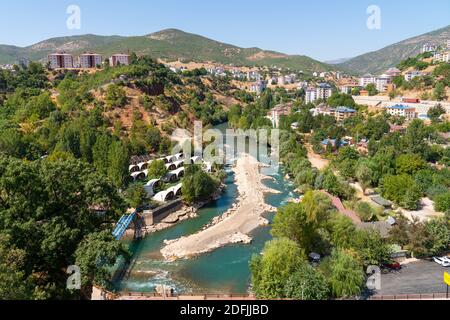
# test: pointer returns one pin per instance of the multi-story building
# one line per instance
(322, 91)
(441, 56)
(60, 61)
(280, 110)
(382, 82)
(412, 74)
(310, 95)
(366, 79)
(399, 110)
(427, 47)
(343, 113)
(258, 87)
(120, 59)
(90, 60)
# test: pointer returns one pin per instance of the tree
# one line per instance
(371, 248)
(136, 195)
(271, 270)
(95, 255)
(307, 284)
(363, 174)
(299, 222)
(372, 89)
(157, 169)
(365, 211)
(439, 232)
(435, 112)
(118, 159)
(409, 164)
(439, 92)
(197, 185)
(115, 96)
(49, 209)
(402, 190)
(442, 202)
(346, 275)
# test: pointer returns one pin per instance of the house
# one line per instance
(399, 110)
(412, 74)
(60, 61)
(382, 82)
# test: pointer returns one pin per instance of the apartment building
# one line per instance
(366, 79)
(60, 61)
(382, 82)
(399, 110)
(441, 56)
(258, 87)
(343, 113)
(427, 47)
(412, 74)
(120, 59)
(90, 60)
(322, 91)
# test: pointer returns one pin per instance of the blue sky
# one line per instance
(324, 30)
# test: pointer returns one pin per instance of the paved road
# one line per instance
(415, 278)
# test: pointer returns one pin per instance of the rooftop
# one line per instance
(399, 107)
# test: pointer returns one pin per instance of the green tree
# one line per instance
(271, 270)
(136, 195)
(442, 202)
(118, 159)
(157, 169)
(115, 96)
(197, 185)
(439, 232)
(439, 92)
(346, 275)
(307, 284)
(409, 164)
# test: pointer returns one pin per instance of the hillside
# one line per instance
(379, 61)
(170, 44)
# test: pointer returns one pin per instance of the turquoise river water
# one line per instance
(225, 270)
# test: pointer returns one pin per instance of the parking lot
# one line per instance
(422, 277)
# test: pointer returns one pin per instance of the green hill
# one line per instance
(170, 44)
(379, 61)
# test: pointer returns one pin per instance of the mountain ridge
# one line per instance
(380, 60)
(168, 44)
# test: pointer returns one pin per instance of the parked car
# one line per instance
(394, 266)
(441, 262)
(447, 259)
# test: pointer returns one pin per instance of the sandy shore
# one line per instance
(236, 224)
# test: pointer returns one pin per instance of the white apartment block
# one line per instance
(90, 60)
(428, 48)
(412, 74)
(60, 60)
(382, 82)
(310, 95)
(366, 79)
(402, 111)
(441, 56)
(323, 91)
(120, 59)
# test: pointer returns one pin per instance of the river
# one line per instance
(225, 270)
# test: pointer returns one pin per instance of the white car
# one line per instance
(447, 259)
(442, 262)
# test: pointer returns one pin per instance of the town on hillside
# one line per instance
(122, 177)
